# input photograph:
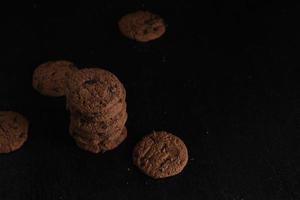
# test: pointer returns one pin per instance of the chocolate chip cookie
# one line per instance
(108, 132)
(95, 125)
(49, 78)
(13, 131)
(142, 26)
(105, 114)
(160, 155)
(93, 90)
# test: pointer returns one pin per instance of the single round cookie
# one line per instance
(13, 131)
(100, 145)
(142, 26)
(92, 90)
(49, 78)
(160, 155)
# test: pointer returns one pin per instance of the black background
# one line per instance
(224, 78)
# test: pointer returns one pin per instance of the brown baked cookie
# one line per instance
(95, 139)
(160, 155)
(142, 26)
(100, 145)
(93, 90)
(97, 135)
(13, 131)
(49, 78)
(105, 114)
(113, 142)
(94, 126)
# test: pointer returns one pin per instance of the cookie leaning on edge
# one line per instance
(13, 131)
(142, 26)
(160, 155)
(49, 78)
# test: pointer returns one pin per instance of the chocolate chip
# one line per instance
(91, 82)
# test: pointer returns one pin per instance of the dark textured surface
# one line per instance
(224, 78)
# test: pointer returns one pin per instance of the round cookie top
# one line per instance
(49, 78)
(92, 90)
(142, 26)
(160, 155)
(13, 131)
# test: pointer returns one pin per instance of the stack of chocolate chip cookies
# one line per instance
(96, 100)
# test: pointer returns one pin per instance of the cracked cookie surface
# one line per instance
(142, 26)
(49, 78)
(160, 155)
(91, 91)
(13, 131)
